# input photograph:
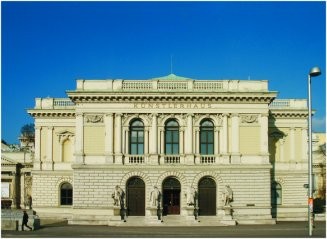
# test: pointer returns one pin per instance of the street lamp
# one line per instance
(315, 71)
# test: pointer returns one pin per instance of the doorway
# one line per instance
(135, 197)
(171, 196)
(207, 197)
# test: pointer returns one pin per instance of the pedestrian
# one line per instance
(25, 220)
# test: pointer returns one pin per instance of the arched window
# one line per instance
(66, 194)
(136, 138)
(206, 137)
(172, 137)
(276, 194)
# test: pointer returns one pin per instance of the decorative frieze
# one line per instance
(249, 118)
(96, 118)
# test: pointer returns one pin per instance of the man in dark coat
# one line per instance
(25, 220)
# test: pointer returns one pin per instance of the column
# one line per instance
(109, 134)
(153, 143)
(292, 144)
(48, 165)
(216, 138)
(79, 146)
(304, 145)
(37, 148)
(197, 146)
(264, 134)
(22, 189)
(189, 154)
(224, 142)
(118, 143)
(181, 142)
(162, 146)
(126, 145)
(146, 141)
(235, 157)
(154, 135)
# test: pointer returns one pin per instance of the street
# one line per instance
(282, 229)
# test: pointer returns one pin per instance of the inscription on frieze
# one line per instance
(172, 105)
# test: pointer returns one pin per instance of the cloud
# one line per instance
(319, 124)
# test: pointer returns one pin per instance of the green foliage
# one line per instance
(28, 130)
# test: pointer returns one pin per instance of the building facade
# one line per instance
(176, 134)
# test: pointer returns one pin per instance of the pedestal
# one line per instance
(153, 159)
(153, 215)
(189, 159)
(227, 218)
(236, 159)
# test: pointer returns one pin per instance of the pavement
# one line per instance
(279, 230)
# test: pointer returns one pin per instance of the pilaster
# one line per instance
(118, 139)
(48, 164)
(235, 157)
(189, 155)
(108, 121)
(37, 154)
(79, 145)
(304, 154)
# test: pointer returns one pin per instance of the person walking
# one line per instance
(25, 221)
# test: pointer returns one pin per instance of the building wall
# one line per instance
(253, 149)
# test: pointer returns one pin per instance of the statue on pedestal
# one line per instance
(190, 196)
(155, 197)
(119, 197)
(227, 196)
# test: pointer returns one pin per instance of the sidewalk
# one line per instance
(281, 229)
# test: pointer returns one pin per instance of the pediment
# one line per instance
(65, 132)
(7, 161)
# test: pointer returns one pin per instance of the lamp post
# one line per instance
(315, 71)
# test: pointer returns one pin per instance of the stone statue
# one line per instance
(28, 202)
(227, 196)
(119, 197)
(155, 197)
(190, 196)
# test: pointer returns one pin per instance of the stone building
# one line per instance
(16, 178)
(176, 134)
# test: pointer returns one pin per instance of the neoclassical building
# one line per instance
(173, 133)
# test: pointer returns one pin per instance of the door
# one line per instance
(207, 197)
(171, 196)
(135, 197)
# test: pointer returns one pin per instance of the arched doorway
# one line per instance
(135, 197)
(171, 196)
(207, 197)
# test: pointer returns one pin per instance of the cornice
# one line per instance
(52, 113)
(239, 97)
(288, 114)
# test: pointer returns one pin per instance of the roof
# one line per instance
(171, 77)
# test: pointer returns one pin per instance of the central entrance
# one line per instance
(171, 196)
(135, 197)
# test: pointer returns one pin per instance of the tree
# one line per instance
(28, 131)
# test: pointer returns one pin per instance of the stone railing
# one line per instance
(54, 103)
(288, 104)
(134, 159)
(206, 159)
(187, 85)
(171, 159)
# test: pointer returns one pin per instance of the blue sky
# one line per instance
(46, 46)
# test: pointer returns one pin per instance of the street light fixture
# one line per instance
(315, 71)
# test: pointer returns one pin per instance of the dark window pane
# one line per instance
(203, 137)
(210, 149)
(168, 149)
(203, 149)
(140, 148)
(175, 149)
(175, 137)
(133, 149)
